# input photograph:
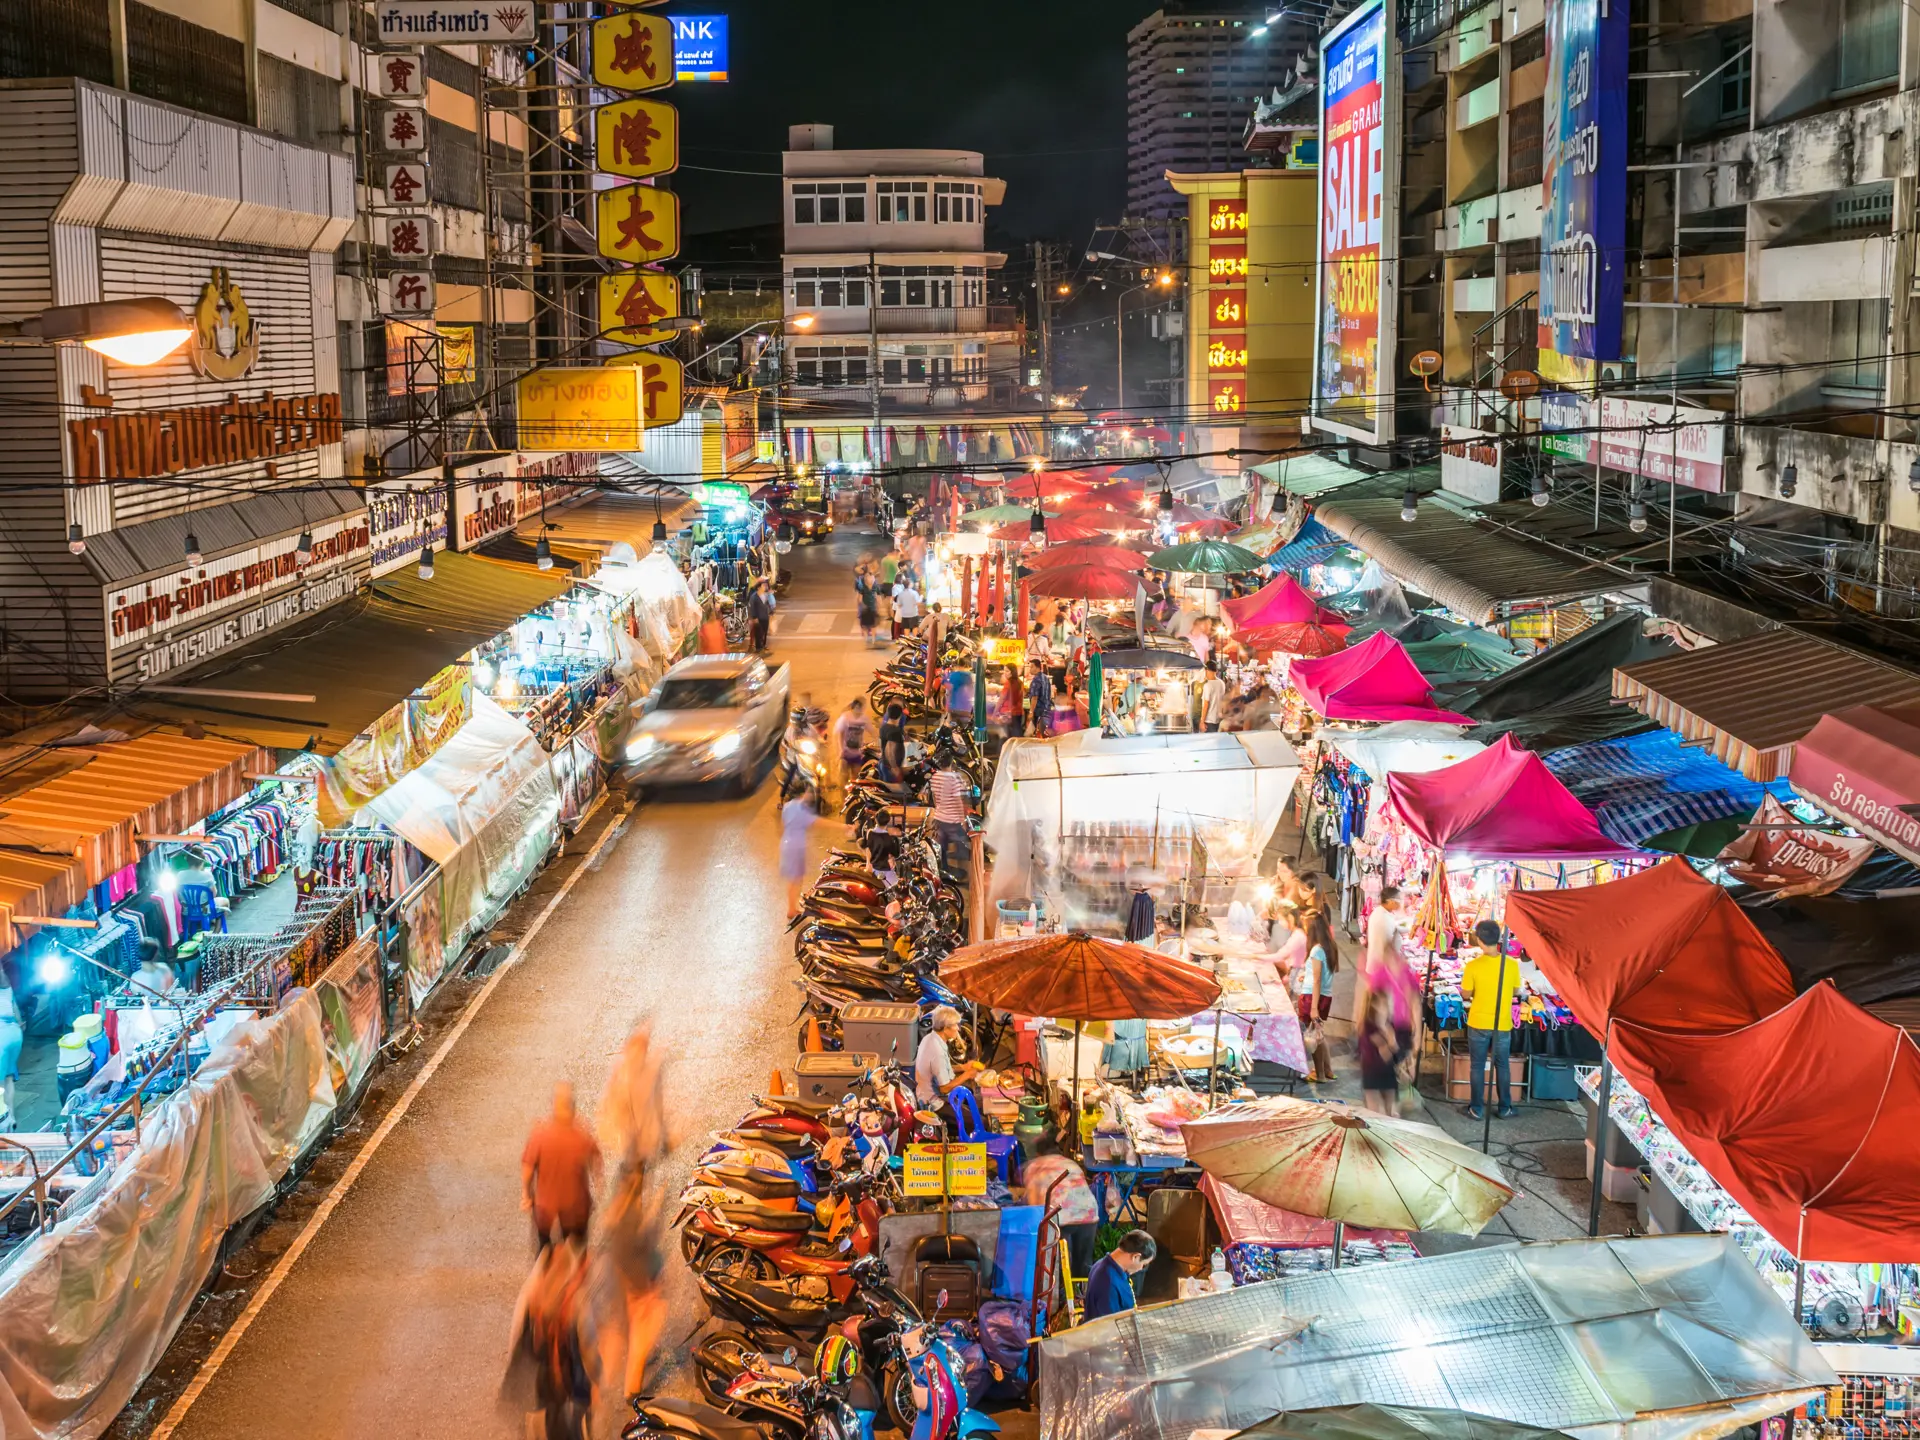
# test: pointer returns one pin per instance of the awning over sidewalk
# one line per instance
(361, 658)
(1863, 765)
(67, 834)
(1751, 701)
(1308, 473)
(1470, 570)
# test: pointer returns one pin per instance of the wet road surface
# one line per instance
(394, 1319)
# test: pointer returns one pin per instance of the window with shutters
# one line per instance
(1869, 43)
(184, 64)
(298, 103)
(453, 176)
(1523, 144)
(55, 37)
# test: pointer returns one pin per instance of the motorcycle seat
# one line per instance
(753, 1181)
(795, 1105)
(701, 1419)
(760, 1217)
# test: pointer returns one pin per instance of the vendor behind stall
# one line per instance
(1110, 1282)
(934, 1076)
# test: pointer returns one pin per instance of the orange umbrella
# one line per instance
(1089, 552)
(1112, 522)
(1213, 525)
(1020, 532)
(1079, 977)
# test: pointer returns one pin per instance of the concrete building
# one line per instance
(886, 273)
(1194, 72)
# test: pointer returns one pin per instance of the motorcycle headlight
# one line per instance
(725, 745)
(640, 747)
(809, 747)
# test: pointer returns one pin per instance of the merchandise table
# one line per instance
(1126, 1180)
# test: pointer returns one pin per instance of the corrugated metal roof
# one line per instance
(1751, 701)
(155, 547)
(1470, 570)
(608, 520)
(361, 658)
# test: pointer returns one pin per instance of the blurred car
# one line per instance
(795, 521)
(711, 717)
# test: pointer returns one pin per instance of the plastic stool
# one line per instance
(199, 910)
(973, 1131)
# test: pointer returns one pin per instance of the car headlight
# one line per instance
(640, 747)
(725, 745)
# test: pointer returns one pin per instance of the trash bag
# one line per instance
(975, 1373)
(1004, 1332)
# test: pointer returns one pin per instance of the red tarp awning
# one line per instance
(1807, 1117)
(1863, 764)
(1502, 804)
(1375, 680)
(1666, 948)
(1281, 601)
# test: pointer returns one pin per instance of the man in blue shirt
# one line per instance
(1110, 1283)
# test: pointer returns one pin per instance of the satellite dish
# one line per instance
(1426, 363)
(1520, 385)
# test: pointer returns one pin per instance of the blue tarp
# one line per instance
(1643, 785)
(1313, 545)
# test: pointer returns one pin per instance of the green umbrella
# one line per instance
(1391, 1422)
(1472, 654)
(993, 515)
(1206, 557)
(1096, 675)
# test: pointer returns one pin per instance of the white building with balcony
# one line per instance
(887, 277)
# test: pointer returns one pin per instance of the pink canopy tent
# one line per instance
(1502, 804)
(1281, 601)
(1376, 680)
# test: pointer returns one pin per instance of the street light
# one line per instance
(142, 331)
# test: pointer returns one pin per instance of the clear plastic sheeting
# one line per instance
(1238, 783)
(457, 791)
(87, 1309)
(1660, 1338)
(1414, 746)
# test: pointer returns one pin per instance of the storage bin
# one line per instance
(1459, 1065)
(831, 1075)
(1552, 1079)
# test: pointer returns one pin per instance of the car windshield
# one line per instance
(717, 692)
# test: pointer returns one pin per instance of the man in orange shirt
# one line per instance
(557, 1171)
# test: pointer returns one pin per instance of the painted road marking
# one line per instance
(818, 623)
(210, 1367)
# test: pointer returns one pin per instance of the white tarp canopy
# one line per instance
(1412, 747)
(1670, 1337)
(490, 762)
(1238, 782)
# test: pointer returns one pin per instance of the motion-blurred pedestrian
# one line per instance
(798, 811)
(557, 1170)
(636, 1131)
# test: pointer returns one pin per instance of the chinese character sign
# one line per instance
(403, 127)
(636, 138)
(408, 293)
(1583, 231)
(1352, 382)
(409, 237)
(638, 223)
(632, 51)
(635, 304)
(400, 76)
(407, 184)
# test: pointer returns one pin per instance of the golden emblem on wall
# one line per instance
(226, 338)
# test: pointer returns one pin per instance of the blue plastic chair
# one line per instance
(198, 910)
(973, 1131)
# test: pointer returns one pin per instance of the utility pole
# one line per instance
(1044, 282)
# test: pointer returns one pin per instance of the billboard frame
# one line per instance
(1388, 304)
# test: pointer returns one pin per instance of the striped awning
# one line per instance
(66, 835)
(1643, 785)
(1750, 702)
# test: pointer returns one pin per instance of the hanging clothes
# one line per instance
(1140, 918)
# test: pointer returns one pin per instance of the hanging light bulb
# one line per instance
(303, 548)
(77, 539)
(194, 557)
(1166, 499)
(659, 534)
(543, 554)
(1410, 506)
(1637, 516)
(1789, 481)
(1542, 494)
(1037, 526)
(426, 562)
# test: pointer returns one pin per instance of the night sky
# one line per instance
(1039, 85)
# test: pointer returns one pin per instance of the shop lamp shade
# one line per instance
(76, 539)
(1037, 527)
(659, 534)
(426, 562)
(1079, 977)
(303, 548)
(192, 549)
(1349, 1165)
(141, 331)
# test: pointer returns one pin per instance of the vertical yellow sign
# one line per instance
(638, 224)
(637, 138)
(634, 303)
(633, 52)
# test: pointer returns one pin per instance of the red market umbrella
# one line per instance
(1089, 552)
(1077, 976)
(1083, 582)
(1111, 522)
(1020, 532)
(1096, 505)
(1213, 525)
(1124, 492)
(1300, 637)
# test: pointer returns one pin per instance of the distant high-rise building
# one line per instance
(1194, 72)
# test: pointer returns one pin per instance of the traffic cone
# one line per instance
(815, 1042)
(778, 1084)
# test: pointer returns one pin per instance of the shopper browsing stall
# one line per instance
(1490, 984)
(1110, 1282)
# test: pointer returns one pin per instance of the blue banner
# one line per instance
(700, 47)
(1584, 176)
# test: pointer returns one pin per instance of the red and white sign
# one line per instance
(400, 75)
(407, 184)
(402, 128)
(492, 497)
(407, 293)
(1791, 859)
(1687, 446)
(191, 593)
(407, 237)
(1469, 464)
(1863, 765)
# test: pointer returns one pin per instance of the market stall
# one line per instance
(1374, 681)
(1083, 821)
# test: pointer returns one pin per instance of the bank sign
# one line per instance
(700, 48)
(1353, 380)
(1583, 231)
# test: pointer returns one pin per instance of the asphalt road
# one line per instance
(394, 1319)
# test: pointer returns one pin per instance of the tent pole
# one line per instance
(1339, 1241)
(1799, 1288)
(1073, 1096)
(1600, 1137)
